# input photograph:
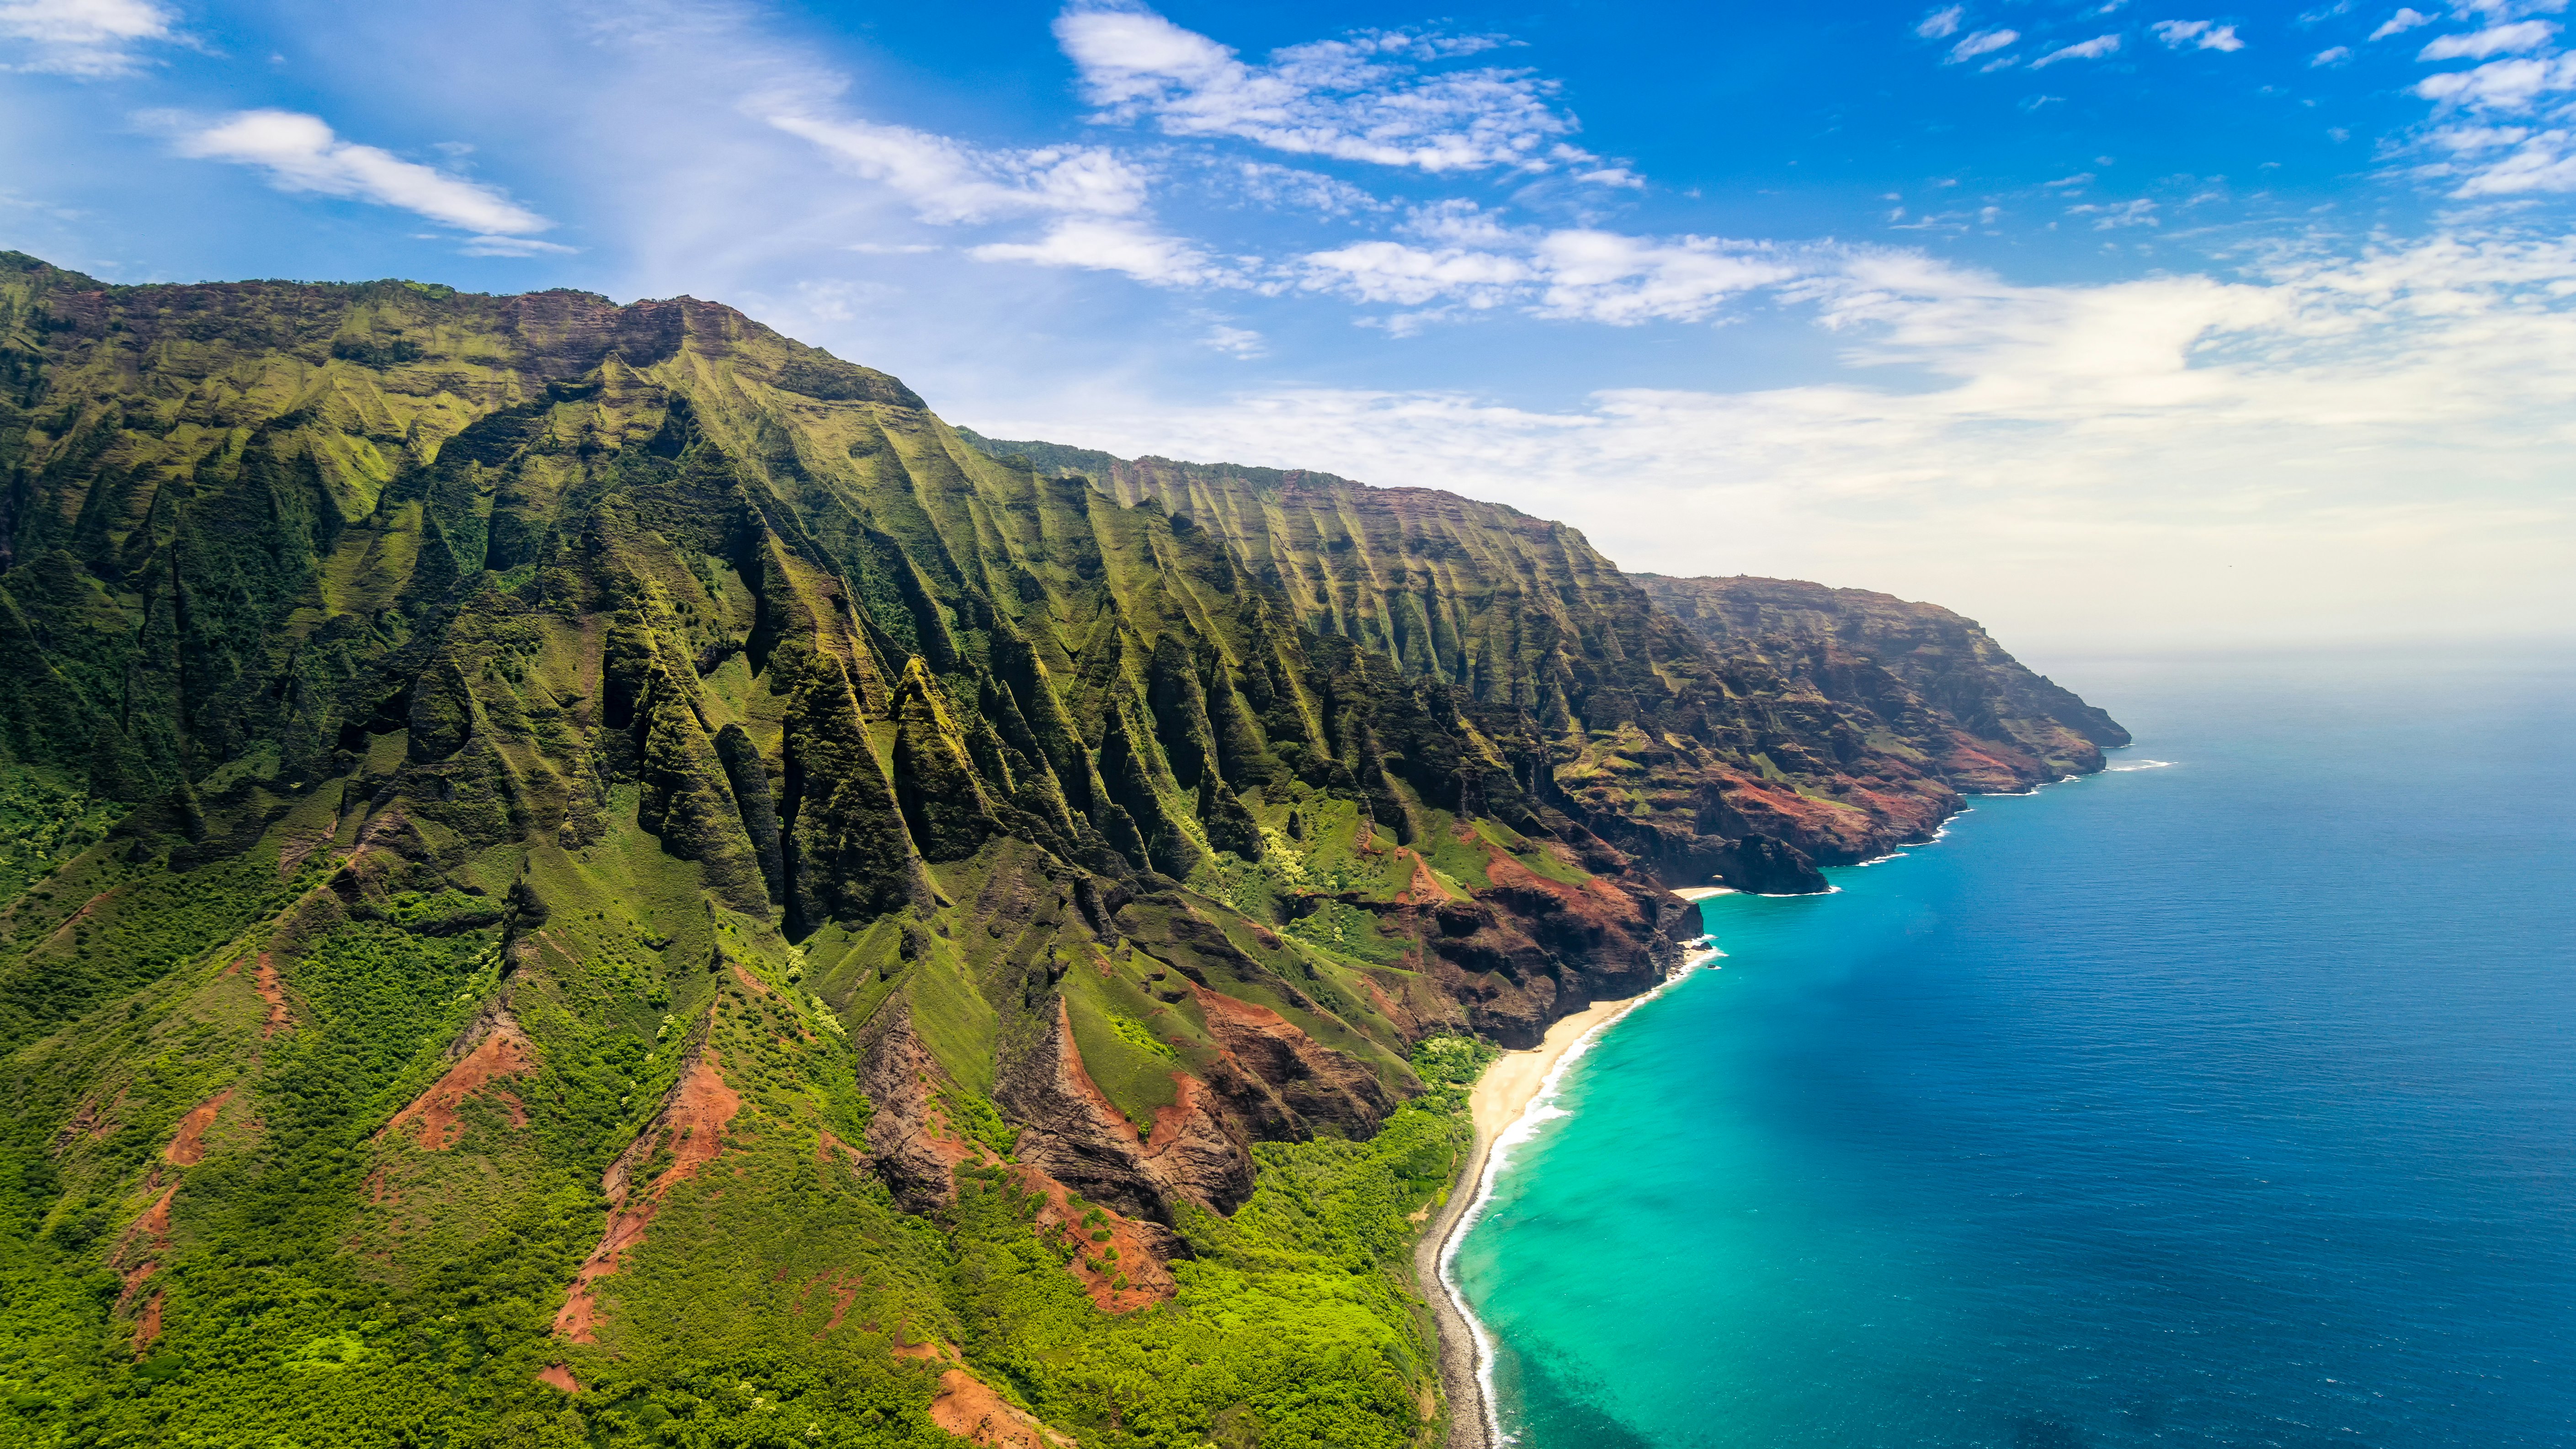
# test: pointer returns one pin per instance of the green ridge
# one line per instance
(544, 843)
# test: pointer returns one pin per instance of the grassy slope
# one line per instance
(549, 834)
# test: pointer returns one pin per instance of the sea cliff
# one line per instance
(591, 874)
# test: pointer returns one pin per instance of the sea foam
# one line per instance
(1541, 1110)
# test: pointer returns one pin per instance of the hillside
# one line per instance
(593, 874)
(1926, 676)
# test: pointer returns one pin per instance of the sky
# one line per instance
(2123, 325)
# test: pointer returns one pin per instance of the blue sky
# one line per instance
(2107, 323)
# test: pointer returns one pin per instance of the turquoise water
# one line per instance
(2226, 1103)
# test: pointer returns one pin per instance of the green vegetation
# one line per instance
(592, 876)
(44, 822)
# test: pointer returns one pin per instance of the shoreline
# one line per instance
(1500, 1102)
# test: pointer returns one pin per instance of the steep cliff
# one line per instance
(1924, 675)
(594, 871)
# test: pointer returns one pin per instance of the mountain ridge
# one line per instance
(596, 874)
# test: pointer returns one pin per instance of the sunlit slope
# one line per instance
(595, 871)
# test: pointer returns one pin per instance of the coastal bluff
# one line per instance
(575, 869)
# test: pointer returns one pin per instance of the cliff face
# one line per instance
(1925, 676)
(604, 841)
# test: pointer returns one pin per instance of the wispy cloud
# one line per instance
(91, 39)
(2404, 20)
(1233, 341)
(2110, 214)
(2094, 49)
(2501, 85)
(2331, 55)
(1600, 276)
(1981, 43)
(1367, 97)
(2180, 438)
(1941, 24)
(2494, 40)
(948, 181)
(1413, 276)
(1307, 191)
(1114, 245)
(2531, 161)
(300, 153)
(2197, 34)
(1467, 260)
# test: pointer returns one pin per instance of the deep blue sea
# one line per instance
(2227, 1102)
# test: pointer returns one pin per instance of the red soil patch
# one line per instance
(296, 849)
(1425, 889)
(968, 1408)
(693, 1123)
(92, 1123)
(151, 1233)
(134, 1279)
(154, 1225)
(147, 1324)
(273, 991)
(1390, 1008)
(189, 1147)
(843, 1284)
(83, 914)
(933, 1350)
(1148, 1281)
(503, 1052)
(1110, 1118)
(1189, 1103)
(556, 1376)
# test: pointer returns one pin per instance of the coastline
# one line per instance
(1501, 1101)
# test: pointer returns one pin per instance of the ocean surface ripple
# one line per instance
(2231, 1103)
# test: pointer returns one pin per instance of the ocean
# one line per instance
(2227, 1097)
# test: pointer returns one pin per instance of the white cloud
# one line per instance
(1981, 43)
(2500, 85)
(2398, 24)
(1941, 24)
(1366, 97)
(91, 39)
(2198, 34)
(1308, 191)
(948, 181)
(2110, 214)
(300, 153)
(2094, 49)
(1474, 262)
(1102, 244)
(2536, 161)
(1233, 341)
(2494, 40)
(1601, 276)
(2332, 55)
(1410, 276)
(2496, 10)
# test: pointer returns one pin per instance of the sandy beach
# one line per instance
(1696, 894)
(1502, 1094)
